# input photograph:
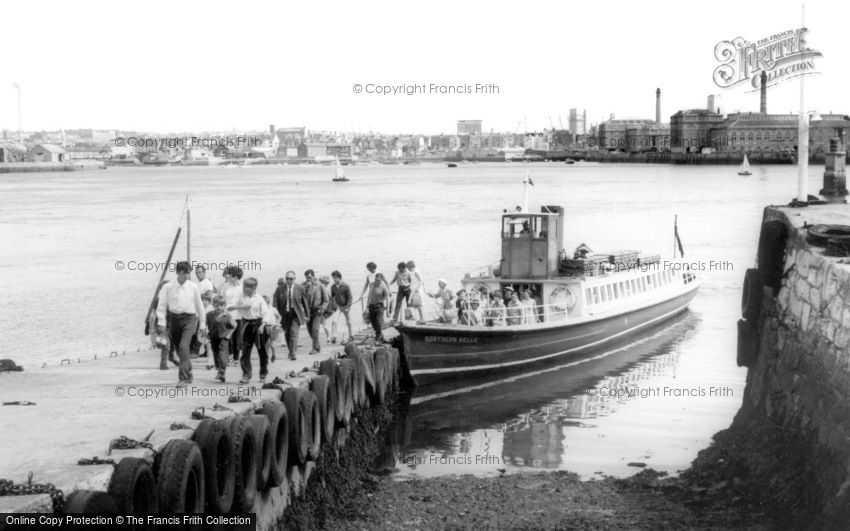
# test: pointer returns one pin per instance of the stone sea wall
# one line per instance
(796, 343)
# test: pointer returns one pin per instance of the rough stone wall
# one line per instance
(800, 379)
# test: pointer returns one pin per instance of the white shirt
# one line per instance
(204, 285)
(175, 297)
(258, 308)
(232, 293)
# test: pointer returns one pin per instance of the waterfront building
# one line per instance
(695, 130)
(578, 122)
(12, 152)
(829, 126)
(690, 130)
(47, 153)
(648, 138)
(748, 132)
(612, 133)
(331, 149)
(471, 127)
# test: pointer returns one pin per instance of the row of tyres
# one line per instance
(228, 461)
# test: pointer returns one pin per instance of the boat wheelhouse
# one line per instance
(577, 303)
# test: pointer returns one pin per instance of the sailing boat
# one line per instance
(340, 175)
(745, 167)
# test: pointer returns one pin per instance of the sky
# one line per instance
(240, 66)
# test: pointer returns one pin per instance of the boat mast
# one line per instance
(803, 135)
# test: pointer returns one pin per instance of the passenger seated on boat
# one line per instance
(526, 231)
(515, 308)
(496, 311)
(529, 311)
(469, 310)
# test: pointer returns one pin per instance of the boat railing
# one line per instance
(473, 313)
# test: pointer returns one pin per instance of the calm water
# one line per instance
(64, 296)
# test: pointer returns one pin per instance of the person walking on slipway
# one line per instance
(181, 310)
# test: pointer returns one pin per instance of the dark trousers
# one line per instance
(291, 324)
(220, 347)
(402, 295)
(314, 323)
(250, 337)
(376, 317)
(182, 326)
(236, 341)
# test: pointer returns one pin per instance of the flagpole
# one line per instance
(525, 202)
(675, 222)
(803, 136)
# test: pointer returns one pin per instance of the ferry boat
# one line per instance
(585, 302)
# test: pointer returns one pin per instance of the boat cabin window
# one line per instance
(523, 226)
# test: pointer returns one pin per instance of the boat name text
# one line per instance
(450, 339)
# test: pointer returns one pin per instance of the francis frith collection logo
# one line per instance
(781, 56)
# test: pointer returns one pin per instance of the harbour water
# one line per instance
(76, 246)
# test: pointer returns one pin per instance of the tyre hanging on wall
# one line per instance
(180, 476)
(279, 429)
(213, 438)
(133, 487)
(771, 253)
(245, 463)
(320, 386)
(262, 448)
(747, 344)
(330, 369)
(752, 295)
(298, 427)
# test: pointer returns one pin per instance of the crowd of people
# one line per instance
(193, 317)
(499, 307)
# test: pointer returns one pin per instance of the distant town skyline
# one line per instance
(206, 68)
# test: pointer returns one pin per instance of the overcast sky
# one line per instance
(195, 66)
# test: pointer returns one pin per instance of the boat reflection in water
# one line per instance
(525, 420)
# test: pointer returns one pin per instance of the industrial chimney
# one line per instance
(658, 105)
(710, 103)
(763, 107)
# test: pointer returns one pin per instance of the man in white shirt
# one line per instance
(204, 284)
(252, 308)
(181, 310)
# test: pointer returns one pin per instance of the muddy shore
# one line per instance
(556, 500)
(717, 492)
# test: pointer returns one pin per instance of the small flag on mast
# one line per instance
(676, 235)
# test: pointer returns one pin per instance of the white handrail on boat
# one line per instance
(530, 314)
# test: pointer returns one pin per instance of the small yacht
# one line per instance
(745, 167)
